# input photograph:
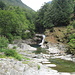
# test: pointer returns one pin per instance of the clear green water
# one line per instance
(63, 65)
(35, 45)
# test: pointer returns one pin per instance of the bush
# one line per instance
(26, 35)
(72, 46)
(71, 36)
(10, 37)
(72, 24)
(12, 53)
(3, 42)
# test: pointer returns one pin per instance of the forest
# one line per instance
(22, 23)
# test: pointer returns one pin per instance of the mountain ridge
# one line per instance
(17, 3)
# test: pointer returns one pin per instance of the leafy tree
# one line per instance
(42, 20)
(3, 42)
(57, 13)
(2, 5)
(61, 11)
(72, 46)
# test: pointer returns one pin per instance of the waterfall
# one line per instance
(42, 41)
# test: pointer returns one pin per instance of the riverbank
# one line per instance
(37, 64)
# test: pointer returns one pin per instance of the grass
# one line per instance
(38, 67)
(63, 65)
(25, 62)
(12, 53)
(2, 56)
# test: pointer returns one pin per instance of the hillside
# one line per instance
(58, 34)
(16, 3)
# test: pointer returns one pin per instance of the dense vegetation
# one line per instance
(16, 3)
(17, 21)
(55, 14)
(14, 21)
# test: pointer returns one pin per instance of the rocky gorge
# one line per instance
(37, 64)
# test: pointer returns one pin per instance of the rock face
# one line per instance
(21, 46)
(14, 67)
(55, 48)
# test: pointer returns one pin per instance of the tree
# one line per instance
(2, 5)
(61, 11)
(42, 20)
(57, 13)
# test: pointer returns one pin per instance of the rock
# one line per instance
(21, 46)
(51, 65)
(73, 73)
(53, 50)
(24, 46)
(73, 59)
(46, 62)
(64, 73)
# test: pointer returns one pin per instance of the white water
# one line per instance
(43, 40)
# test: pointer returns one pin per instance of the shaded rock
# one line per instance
(21, 46)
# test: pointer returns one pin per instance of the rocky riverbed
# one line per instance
(37, 65)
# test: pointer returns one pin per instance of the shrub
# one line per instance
(10, 37)
(71, 36)
(38, 67)
(72, 46)
(73, 24)
(12, 53)
(3, 42)
(26, 35)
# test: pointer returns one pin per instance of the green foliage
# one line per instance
(2, 5)
(43, 20)
(72, 46)
(12, 53)
(3, 42)
(16, 3)
(62, 11)
(57, 13)
(14, 23)
(72, 24)
(26, 35)
(71, 36)
(38, 67)
(14, 47)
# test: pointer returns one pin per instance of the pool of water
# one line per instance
(63, 65)
(35, 45)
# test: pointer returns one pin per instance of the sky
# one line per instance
(35, 4)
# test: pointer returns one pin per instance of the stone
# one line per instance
(46, 62)
(73, 59)
(73, 73)
(64, 73)
(53, 50)
(51, 65)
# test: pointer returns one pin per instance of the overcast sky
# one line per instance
(34, 4)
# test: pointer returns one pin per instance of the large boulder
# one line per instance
(21, 46)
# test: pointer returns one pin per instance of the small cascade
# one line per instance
(43, 40)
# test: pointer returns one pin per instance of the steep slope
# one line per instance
(16, 3)
(58, 34)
